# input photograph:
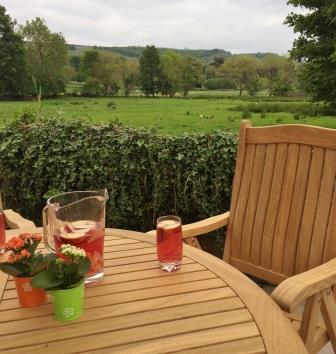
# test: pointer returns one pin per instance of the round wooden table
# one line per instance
(205, 307)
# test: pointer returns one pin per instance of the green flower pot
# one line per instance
(68, 303)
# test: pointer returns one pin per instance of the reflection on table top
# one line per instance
(205, 307)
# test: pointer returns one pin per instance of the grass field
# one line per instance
(166, 115)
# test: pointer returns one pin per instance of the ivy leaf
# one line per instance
(179, 156)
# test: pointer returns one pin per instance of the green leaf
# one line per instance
(74, 284)
(32, 248)
(10, 269)
(85, 266)
(46, 280)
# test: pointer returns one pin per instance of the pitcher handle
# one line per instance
(46, 229)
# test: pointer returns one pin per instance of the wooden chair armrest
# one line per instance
(203, 226)
(16, 221)
(292, 291)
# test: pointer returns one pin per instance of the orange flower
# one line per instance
(25, 236)
(13, 258)
(21, 250)
(14, 243)
(37, 237)
(10, 258)
(25, 253)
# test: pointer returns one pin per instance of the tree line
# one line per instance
(34, 60)
(169, 73)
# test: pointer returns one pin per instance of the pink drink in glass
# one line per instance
(88, 235)
(169, 242)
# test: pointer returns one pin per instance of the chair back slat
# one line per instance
(262, 206)
(268, 235)
(282, 215)
(309, 210)
(323, 210)
(296, 210)
(330, 242)
(242, 201)
(252, 202)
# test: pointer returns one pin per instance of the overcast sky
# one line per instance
(239, 26)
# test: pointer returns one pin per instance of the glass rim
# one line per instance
(100, 192)
(168, 217)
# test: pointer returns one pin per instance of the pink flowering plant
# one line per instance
(21, 258)
(66, 271)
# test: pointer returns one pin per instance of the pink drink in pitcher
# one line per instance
(78, 218)
(87, 235)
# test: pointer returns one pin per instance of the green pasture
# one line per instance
(166, 115)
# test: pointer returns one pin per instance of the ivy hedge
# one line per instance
(146, 174)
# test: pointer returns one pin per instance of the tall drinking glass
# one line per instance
(169, 242)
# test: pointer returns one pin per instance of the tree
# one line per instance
(170, 73)
(92, 87)
(315, 46)
(150, 70)
(88, 64)
(191, 72)
(106, 71)
(211, 70)
(128, 75)
(47, 57)
(217, 62)
(279, 73)
(74, 62)
(12, 58)
(243, 71)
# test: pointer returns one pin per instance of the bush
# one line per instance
(301, 108)
(246, 114)
(219, 84)
(146, 174)
(111, 104)
(92, 87)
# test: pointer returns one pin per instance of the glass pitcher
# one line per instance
(78, 218)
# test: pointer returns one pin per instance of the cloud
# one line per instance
(234, 25)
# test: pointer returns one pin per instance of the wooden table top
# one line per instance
(205, 307)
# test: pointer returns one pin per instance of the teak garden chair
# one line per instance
(281, 226)
(15, 220)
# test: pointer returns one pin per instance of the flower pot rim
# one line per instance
(75, 287)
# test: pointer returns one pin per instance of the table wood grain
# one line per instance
(205, 307)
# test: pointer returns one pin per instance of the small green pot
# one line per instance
(68, 303)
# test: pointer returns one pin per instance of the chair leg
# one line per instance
(309, 321)
(329, 314)
(192, 241)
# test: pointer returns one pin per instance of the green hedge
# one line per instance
(219, 84)
(302, 108)
(146, 174)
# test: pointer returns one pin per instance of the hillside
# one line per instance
(206, 55)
